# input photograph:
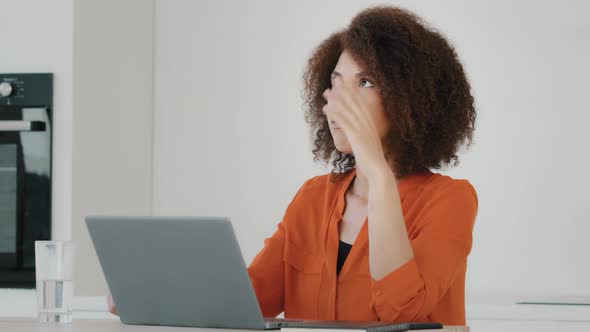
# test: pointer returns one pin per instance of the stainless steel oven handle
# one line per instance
(22, 126)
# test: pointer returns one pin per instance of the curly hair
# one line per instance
(426, 95)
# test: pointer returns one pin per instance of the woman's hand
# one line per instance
(345, 107)
(112, 306)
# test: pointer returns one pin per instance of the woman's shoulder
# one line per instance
(324, 182)
(319, 189)
(446, 189)
(442, 183)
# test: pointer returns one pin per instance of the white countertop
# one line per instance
(111, 325)
(504, 307)
(23, 303)
(102, 325)
(484, 313)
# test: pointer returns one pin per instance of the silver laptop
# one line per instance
(185, 272)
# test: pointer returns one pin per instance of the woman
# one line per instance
(381, 237)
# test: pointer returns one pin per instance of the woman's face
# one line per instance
(349, 72)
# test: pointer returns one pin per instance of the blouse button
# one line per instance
(378, 292)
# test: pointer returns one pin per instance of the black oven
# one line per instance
(25, 173)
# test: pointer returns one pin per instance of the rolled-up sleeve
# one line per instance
(441, 243)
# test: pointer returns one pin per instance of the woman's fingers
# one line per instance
(336, 103)
(340, 122)
(340, 119)
(351, 102)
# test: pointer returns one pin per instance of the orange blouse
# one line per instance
(296, 270)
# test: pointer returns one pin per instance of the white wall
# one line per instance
(112, 136)
(528, 64)
(38, 38)
(229, 136)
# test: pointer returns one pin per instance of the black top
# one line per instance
(343, 250)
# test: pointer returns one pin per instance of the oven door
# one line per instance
(25, 189)
(11, 188)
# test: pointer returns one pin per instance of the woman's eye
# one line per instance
(366, 83)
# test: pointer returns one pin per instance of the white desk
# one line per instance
(484, 314)
(112, 325)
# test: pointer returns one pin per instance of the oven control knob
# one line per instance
(5, 89)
